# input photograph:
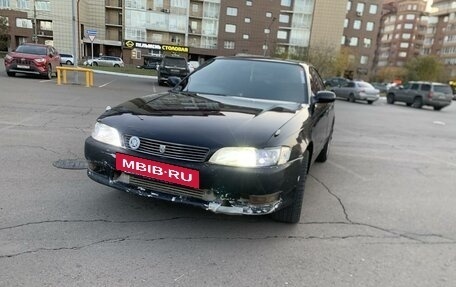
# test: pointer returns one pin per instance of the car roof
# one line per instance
(264, 59)
(427, 82)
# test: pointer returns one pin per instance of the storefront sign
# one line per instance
(129, 44)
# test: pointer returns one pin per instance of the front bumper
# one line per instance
(225, 190)
(32, 69)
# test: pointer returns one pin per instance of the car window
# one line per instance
(443, 89)
(415, 86)
(406, 86)
(176, 62)
(29, 49)
(65, 55)
(350, 84)
(254, 79)
(315, 81)
(425, 87)
(365, 85)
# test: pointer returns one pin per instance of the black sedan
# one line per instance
(237, 136)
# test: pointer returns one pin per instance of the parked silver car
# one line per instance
(67, 59)
(108, 61)
(418, 94)
(357, 90)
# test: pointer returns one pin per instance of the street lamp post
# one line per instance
(35, 28)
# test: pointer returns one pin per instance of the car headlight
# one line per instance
(40, 60)
(106, 134)
(8, 58)
(251, 157)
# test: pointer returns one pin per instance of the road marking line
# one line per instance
(45, 81)
(104, 85)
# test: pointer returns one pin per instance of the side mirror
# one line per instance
(325, 97)
(173, 81)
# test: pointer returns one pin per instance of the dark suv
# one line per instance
(172, 65)
(35, 59)
(418, 94)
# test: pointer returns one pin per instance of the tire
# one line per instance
(370, 102)
(390, 98)
(49, 73)
(437, 108)
(292, 213)
(69, 62)
(95, 64)
(408, 104)
(116, 66)
(160, 83)
(417, 103)
(351, 98)
(11, 74)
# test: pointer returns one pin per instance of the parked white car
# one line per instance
(109, 61)
(67, 59)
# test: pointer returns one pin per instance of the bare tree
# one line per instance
(4, 31)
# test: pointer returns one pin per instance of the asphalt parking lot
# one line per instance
(380, 212)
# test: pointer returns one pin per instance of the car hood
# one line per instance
(26, 56)
(203, 120)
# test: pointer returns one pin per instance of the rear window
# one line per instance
(425, 87)
(65, 55)
(35, 50)
(175, 62)
(443, 89)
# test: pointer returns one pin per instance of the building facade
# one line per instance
(443, 27)
(20, 29)
(361, 27)
(402, 33)
(197, 29)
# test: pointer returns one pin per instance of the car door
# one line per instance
(401, 93)
(320, 112)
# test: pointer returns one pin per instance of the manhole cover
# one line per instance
(70, 164)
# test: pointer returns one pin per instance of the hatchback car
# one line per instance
(242, 148)
(32, 59)
(67, 59)
(418, 94)
(107, 61)
(357, 90)
(172, 65)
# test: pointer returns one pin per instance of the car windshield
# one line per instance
(36, 50)
(175, 62)
(443, 89)
(267, 80)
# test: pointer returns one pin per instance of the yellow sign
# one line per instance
(129, 44)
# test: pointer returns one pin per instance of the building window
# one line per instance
(230, 28)
(43, 5)
(178, 3)
(286, 3)
(46, 25)
(404, 45)
(195, 8)
(22, 4)
(5, 19)
(353, 41)
(360, 9)
(268, 14)
(230, 11)
(282, 35)
(357, 24)
(403, 54)
(248, 3)
(398, 26)
(24, 23)
(349, 5)
(228, 45)
(245, 37)
(363, 60)
(367, 42)
(284, 18)
(370, 26)
(406, 36)
(247, 20)
(346, 21)
(373, 8)
(4, 3)
(157, 38)
(408, 26)
(410, 16)
(267, 31)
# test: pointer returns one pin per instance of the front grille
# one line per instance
(172, 150)
(165, 188)
(19, 61)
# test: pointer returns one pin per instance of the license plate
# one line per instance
(23, 67)
(157, 170)
(174, 71)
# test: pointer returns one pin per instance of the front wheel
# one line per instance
(95, 64)
(417, 103)
(292, 213)
(351, 98)
(437, 108)
(370, 102)
(11, 74)
(49, 73)
(69, 62)
(116, 66)
(390, 98)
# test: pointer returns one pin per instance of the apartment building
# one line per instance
(361, 27)
(441, 34)
(402, 32)
(20, 28)
(197, 29)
